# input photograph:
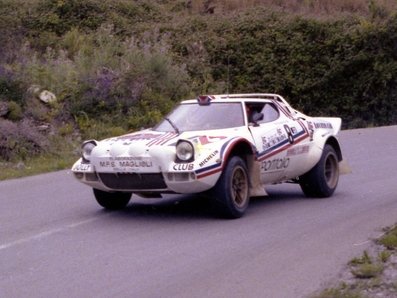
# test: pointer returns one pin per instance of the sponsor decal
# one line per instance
(138, 137)
(126, 162)
(277, 147)
(311, 129)
(289, 134)
(217, 167)
(107, 164)
(276, 164)
(298, 150)
(208, 158)
(273, 140)
(82, 167)
(162, 139)
(154, 139)
(136, 164)
(204, 140)
(323, 125)
(183, 167)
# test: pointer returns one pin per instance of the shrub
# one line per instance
(364, 267)
(15, 111)
(20, 140)
(384, 256)
(97, 128)
(11, 88)
(118, 74)
(60, 16)
(367, 270)
(389, 240)
(338, 68)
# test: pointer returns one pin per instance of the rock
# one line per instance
(20, 166)
(34, 90)
(43, 127)
(4, 108)
(47, 96)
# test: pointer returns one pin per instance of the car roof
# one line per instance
(243, 97)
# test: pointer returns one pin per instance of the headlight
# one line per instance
(87, 148)
(184, 151)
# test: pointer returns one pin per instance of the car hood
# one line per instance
(142, 142)
(152, 151)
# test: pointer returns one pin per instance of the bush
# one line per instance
(20, 141)
(11, 88)
(367, 270)
(343, 68)
(15, 113)
(390, 239)
(364, 267)
(60, 16)
(120, 74)
(130, 61)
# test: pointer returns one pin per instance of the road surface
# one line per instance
(55, 241)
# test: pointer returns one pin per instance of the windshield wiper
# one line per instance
(173, 125)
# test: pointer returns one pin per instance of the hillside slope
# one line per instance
(111, 66)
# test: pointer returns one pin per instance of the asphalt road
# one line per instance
(55, 241)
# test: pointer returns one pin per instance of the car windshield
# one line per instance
(190, 117)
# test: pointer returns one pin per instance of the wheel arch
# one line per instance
(332, 141)
(245, 150)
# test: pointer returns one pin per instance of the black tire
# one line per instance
(230, 195)
(112, 200)
(322, 180)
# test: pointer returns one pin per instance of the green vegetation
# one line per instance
(370, 275)
(364, 267)
(341, 292)
(389, 240)
(118, 65)
(40, 164)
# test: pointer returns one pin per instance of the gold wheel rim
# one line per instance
(239, 187)
(331, 170)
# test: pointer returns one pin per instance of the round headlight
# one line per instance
(184, 151)
(87, 148)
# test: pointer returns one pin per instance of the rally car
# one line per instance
(228, 147)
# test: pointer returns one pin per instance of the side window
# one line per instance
(270, 113)
(253, 108)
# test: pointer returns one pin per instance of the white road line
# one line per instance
(47, 233)
(365, 242)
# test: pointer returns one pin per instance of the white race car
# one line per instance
(226, 146)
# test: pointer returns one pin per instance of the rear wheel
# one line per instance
(230, 196)
(112, 200)
(322, 180)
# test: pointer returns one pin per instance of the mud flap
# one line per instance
(344, 167)
(257, 189)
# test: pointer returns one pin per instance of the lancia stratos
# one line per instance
(228, 147)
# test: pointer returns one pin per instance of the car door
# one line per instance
(283, 141)
(270, 135)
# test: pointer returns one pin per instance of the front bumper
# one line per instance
(162, 182)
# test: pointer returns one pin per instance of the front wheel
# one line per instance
(230, 195)
(112, 200)
(322, 179)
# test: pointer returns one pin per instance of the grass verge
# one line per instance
(370, 275)
(37, 165)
